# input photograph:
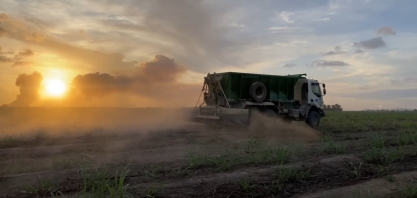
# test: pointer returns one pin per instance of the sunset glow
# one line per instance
(55, 87)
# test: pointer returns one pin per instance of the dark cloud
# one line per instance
(337, 50)
(156, 80)
(29, 89)
(372, 43)
(290, 65)
(324, 63)
(162, 70)
(386, 31)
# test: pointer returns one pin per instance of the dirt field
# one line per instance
(153, 153)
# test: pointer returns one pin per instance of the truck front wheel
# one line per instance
(313, 119)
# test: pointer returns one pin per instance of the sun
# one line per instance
(55, 87)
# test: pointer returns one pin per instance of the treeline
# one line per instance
(335, 107)
(415, 110)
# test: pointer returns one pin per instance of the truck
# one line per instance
(231, 98)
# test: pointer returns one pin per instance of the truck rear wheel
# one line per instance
(313, 119)
(258, 91)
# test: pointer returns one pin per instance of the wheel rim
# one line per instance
(258, 92)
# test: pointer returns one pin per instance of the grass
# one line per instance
(406, 137)
(383, 156)
(152, 190)
(376, 140)
(332, 147)
(266, 154)
(368, 121)
(288, 174)
(9, 142)
(363, 194)
(246, 185)
(98, 183)
(410, 190)
(43, 189)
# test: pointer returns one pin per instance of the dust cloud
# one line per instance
(73, 122)
(279, 131)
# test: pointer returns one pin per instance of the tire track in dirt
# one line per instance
(375, 187)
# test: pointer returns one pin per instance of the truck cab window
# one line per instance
(315, 88)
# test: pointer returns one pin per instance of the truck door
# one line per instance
(304, 94)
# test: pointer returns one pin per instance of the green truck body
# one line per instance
(231, 97)
(280, 88)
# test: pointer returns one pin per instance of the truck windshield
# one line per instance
(315, 88)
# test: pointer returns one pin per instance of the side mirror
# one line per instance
(324, 91)
(324, 85)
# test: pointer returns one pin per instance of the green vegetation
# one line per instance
(368, 121)
(97, 183)
(410, 191)
(384, 156)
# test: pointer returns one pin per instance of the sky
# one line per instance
(156, 53)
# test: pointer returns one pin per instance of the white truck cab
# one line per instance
(310, 97)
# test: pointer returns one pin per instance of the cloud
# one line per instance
(27, 33)
(285, 16)
(5, 59)
(203, 36)
(26, 52)
(335, 51)
(237, 25)
(15, 59)
(325, 19)
(162, 70)
(290, 65)
(386, 31)
(22, 63)
(324, 63)
(2, 32)
(155, 81)
(372, 43)
(359, 51)
(410, 80)
(404, 81)
(29, 89)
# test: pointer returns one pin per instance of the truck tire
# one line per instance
(313, 119)
(258, 91)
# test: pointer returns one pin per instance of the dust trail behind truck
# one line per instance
(231, 98)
